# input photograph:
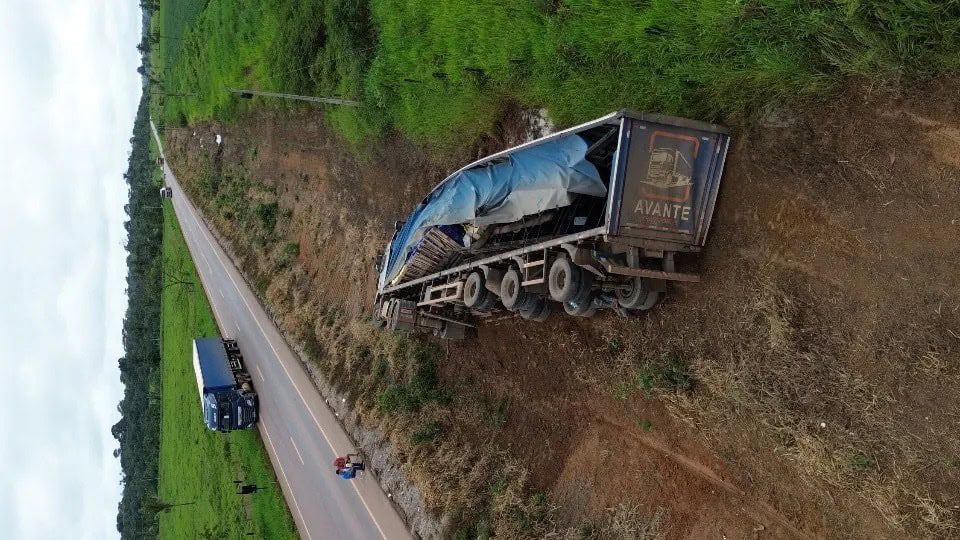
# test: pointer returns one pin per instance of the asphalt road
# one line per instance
(300, 432)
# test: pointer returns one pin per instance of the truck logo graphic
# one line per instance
(670, 169)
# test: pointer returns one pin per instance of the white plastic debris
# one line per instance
(219, 138)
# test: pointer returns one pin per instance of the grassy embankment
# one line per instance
(436, 70)
(197, 466)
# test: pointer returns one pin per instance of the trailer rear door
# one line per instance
(667, 176)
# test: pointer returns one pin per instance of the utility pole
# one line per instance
(248, 94)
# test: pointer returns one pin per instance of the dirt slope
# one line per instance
(807, 387)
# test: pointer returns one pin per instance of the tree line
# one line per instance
(138, 430)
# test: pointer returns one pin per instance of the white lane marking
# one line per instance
(299, 455)
(283, 474)
(205, 261)
(206, 236)
(221, 294)
(260, 373)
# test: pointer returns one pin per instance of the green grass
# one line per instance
(308, 46)
(445, 71)
(172, 23)
(157, 171)
(196, 465)
(582, 58)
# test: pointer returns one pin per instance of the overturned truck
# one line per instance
(598, 216)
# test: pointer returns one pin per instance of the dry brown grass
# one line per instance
(779, 365)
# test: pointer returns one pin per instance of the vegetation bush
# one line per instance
(288, 254)
(416, 380)
(427, 434)
(267, 215)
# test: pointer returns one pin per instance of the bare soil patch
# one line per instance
(807, 387)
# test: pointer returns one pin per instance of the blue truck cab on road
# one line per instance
(227, 397)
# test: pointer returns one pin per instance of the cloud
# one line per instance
(67, 103)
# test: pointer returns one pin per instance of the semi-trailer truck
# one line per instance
(598, 216)
(227, 397)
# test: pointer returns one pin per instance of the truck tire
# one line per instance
(639, 297)
(536, 309)
(564, 279)
(475, 293)
(511, 292)
(582, 305)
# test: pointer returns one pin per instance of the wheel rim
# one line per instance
(473, 293)
(560, 279)
(511, 291)
(631, 289)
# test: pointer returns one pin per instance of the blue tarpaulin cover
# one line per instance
(526, 182)
(212, 364)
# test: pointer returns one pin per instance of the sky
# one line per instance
(68, 97)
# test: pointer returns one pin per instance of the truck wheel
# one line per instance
(564, 279)
(581, 305)
(475, 293)
(511, 293)
(537, 309)
(638, 297)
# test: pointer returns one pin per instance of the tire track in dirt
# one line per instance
(759, 510)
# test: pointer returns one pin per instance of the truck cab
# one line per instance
(227, 398)
(227, 411)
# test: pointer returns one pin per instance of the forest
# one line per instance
(138, 430)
